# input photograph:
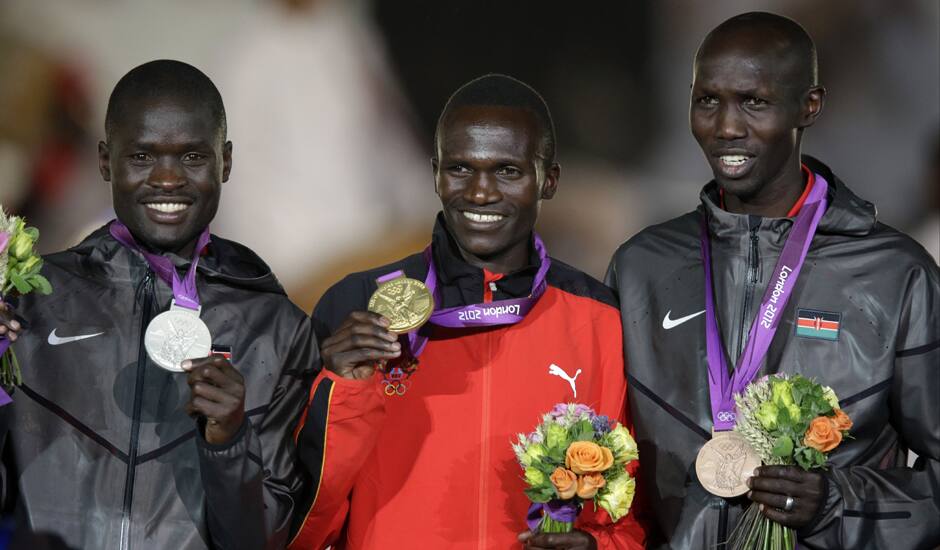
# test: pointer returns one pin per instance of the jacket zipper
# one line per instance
(485, 447)
(753, 277)
(722, 522)
(145, 318)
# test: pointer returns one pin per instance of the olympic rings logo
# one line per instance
(726, 416)
(394, 388)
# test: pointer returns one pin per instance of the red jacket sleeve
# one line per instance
(628, 533)
(336, 436)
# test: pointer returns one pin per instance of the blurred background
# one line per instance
(332, 104)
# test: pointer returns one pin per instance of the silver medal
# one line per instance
(176, 335)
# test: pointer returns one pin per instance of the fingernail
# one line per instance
(524, 536)
(396, 346)
(749, 482)
(757, 471)
(760, 507)
(186, 365)
(384, 322)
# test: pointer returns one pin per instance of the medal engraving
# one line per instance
(725, 463)
(406, 303)
(176, 335)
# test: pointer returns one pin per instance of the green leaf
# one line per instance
(538, 494)
(783, 447)
(22, 286)
(41, 284)
(32, 232)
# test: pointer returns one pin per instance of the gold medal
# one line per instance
(405, 302)
(725, 463)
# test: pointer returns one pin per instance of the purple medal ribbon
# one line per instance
(184, 290)
(721, 385)
(502, 312)
(565, 511)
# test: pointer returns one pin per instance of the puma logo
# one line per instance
(559, 372)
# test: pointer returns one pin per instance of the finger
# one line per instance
(554, 540)
(774, 485)
(211, 374)
(772, 500)
(362, 327)
(215, 394)
(370, 317)
(356, 342)
(207, 408)
(791, 473)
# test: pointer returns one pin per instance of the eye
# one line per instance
(194, 158)
(754, 102)
(508, 172)
(707, 100)
(458, 169)
(140, 158)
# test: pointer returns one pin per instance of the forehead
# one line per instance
(489, 132)
(165, 121)
(745, 68)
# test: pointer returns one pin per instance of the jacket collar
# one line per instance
(461, 283)
(224, 260)
(847, 214)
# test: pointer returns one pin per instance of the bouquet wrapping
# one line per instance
(788, 420)
(575, 456)
(20, 274)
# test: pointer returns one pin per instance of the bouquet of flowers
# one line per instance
(19, 274)
(573, 456)
(788, 420)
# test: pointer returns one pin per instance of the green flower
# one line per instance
(794, 411)
(533, 453)
(622, 444)
(767, 415)
(21, 246)
(556, 436)
(830, 395)
(781, 392)
(617, 496)
(534, 477)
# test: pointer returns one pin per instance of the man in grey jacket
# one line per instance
(867, 304)
(108, 450)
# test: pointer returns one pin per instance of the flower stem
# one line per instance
(551, 526)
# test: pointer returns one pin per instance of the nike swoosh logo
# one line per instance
(673, 323)
(59, 340)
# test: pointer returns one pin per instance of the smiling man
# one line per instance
(782, 269)
(107, 449)
(419, 456)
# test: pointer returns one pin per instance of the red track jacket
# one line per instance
(434, 468)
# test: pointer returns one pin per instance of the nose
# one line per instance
(167, 174)
(482, 189)
(730, 123)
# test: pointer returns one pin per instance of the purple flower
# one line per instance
(536, 437)
(601, 424)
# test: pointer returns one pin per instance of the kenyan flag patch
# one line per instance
(812, 323)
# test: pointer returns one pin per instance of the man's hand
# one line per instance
(771, 485)
(575, 540)
(9, 326)
(217, 392)
(359, 344)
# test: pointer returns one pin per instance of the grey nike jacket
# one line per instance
(881, 293)
(98, 447)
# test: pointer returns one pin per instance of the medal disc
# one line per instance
(177, 335)
(405, 302)
(725, 463)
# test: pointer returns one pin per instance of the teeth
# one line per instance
(484, 218)
(733, 160)
(168, 207)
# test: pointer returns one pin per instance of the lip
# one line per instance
(481, 225)
(167, 217)
(733, 171)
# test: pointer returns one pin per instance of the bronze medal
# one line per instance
(406, 303)
(725, 463)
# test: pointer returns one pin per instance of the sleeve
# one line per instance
(897, 507)
(336, 436)
(252, 482)
(628, 533)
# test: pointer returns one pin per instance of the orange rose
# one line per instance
(588, 485)
(565, 482)
(584, 457)
(822, 435)
(841, 421)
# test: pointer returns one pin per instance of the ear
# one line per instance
(226, 160)
(104, 161)
(435, 165)
(812, 105)
(550, 185)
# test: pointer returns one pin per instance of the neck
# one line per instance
(507, 261)
(774, 199)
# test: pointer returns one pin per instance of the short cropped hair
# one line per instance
(165, 78)
(498, 90)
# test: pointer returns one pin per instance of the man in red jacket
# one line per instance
(429, 464)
